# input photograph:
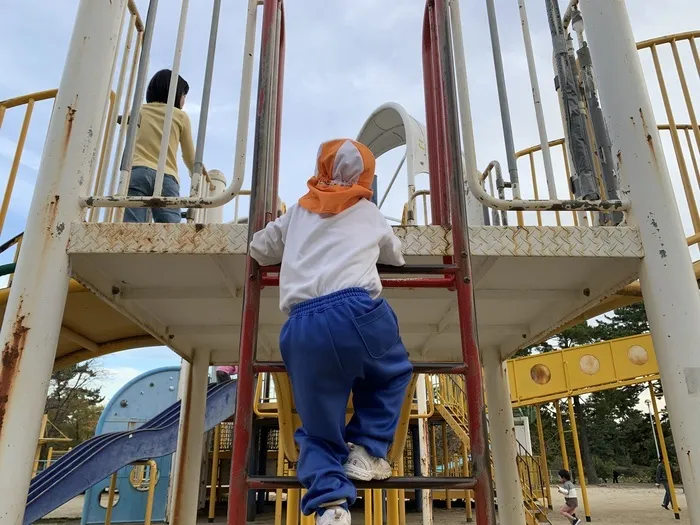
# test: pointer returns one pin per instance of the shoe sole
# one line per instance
(361, 474)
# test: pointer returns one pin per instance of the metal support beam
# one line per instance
(32, 320)
(666, 274)
(190, 440)
(509, 489)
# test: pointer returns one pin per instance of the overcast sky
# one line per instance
(344, 59)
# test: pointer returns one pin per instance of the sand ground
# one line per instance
(610, 505)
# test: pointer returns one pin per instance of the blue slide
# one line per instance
(98, 458)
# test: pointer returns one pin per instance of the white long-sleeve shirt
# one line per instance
(322, 254)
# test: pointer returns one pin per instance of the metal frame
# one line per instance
(438, 61)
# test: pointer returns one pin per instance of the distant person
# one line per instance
(568, 510)
(616, 476)
(147, 148)
(225, 373)
(661, 479)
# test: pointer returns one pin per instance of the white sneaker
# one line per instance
(363, 467)
(334, 516)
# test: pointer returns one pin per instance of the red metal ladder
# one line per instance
(446, 179)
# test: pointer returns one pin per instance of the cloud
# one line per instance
(116, 378)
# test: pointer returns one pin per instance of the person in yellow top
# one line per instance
(147, 148)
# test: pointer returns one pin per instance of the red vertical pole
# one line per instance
(263, 183)
(485, 511)
(438, 199)
(278, 116)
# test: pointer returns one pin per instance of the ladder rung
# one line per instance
(418, 482)
(418, 368)
(417, 269)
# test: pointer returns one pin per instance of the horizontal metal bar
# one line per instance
(427, 367)
(414, 269)
(418, 482)
(415, 282)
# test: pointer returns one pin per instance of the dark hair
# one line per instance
(565, 474)
(160, 84)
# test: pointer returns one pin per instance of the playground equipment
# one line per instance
(137, 402)
(98, 458)
(571, 271)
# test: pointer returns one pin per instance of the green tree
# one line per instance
(74, 401)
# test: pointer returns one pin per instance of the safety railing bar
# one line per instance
(206, 98)
(139, 91)
(119, 200)
(114, 177)
(687, 35)
(170, 107)
(471, 171)
(111, 111)
(675, 140)
(417, 269)
(501, 185)
(425, 367)
(539, 113)
(686, 91)
(19, 149)
(134, 10)
(393, 179)
(503, 97)
(694, 50)
(38, 96)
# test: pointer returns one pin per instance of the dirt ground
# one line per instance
(610, 505)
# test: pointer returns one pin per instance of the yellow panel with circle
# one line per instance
(536, 376)
(634, 357)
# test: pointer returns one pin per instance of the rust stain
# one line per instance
(51, 213)
(650, 140)
(11, 355)
(70, 117)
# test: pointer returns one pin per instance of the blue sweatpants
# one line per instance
(341, 343)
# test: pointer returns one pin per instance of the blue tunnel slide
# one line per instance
(98, 458)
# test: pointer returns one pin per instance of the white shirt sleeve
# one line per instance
(390, 247)
(267, 246)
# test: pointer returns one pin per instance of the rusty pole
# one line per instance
(665, 273)
(185, 495)
(32, 320)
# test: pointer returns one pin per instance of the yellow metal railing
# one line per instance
(146, 476)
(451, 403)
(685, 138)
(28, 102)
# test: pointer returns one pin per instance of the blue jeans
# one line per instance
(141, 184)
(341, 343)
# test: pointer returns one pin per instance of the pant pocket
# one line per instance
(378, 329)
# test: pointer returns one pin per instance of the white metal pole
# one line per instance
(666, 273)
(216, 187)
(539, 114)
(94, 213)
(653, 429)
(424, 447)
(185, 490)
(509, 488)
(170, 108)
(34, 311)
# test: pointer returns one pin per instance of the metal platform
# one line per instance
(183, 283)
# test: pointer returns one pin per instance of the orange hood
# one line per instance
(344, 175)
